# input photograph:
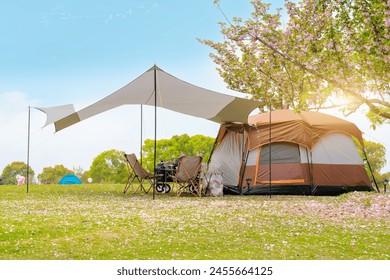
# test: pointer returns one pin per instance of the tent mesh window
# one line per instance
(282, 152)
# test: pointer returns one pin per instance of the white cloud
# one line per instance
(109, 18)
(155, 6)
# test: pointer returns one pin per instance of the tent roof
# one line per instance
(173, 94)
(304, 128)
(70, 179)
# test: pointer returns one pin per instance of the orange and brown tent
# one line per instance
(290, 153)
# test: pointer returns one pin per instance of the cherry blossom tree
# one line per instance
(327, 53)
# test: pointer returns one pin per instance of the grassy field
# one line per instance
(99, 222)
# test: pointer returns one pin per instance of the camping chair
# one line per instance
(188, 173)
(137, 172)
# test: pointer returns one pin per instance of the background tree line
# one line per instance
(110, 166)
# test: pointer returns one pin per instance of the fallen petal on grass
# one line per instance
(100, 222)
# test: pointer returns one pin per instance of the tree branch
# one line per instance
(370, 104)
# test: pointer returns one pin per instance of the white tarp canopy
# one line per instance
(173, 94)
(56, 113)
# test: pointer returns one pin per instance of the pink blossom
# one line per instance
(263, 10)
(241, 38)
(387, 21)
(349, 48)
(265, 30)
(295, 25)
(309, 37)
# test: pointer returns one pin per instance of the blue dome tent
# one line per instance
(70, 179)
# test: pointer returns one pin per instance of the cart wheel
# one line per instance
(159, 187)
(167, 188)
(192, 189)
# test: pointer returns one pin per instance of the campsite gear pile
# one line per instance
(213, 184)
(184, 172)
(165, 173)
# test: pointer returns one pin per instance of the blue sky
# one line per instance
(56, 48)
(79, 51)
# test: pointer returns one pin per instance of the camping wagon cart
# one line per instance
(165, 173)
(184, 172)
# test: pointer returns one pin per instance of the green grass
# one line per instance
(100, 222)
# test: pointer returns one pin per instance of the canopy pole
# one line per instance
(155, 130)
(28, 149)
(141, 135)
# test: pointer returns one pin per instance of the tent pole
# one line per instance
(28, 148)
(372, 173)
(243, 172)
(244, 161)
(212, 150)
(155, 131)
(270, 150)
(310, 168)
